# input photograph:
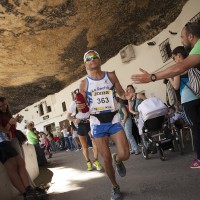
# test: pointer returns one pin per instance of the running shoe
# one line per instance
(89, 166)
(115, 193)
(120, 168)
(30, 194)
(41, 194)
(195, 164)
(97, 165)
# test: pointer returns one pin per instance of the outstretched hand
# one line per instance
(141, 78)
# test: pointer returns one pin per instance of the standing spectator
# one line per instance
(134, 101)
(127, 124)
(53, 144)
(62, 141)
(46, 145)
(181, 82)
(65, 134)
(75, 137)
(71, 143)
(33, 139)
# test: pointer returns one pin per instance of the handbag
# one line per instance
(21, 137)
(171, 94)
(194, 80)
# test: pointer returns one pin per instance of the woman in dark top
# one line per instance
(189, 101)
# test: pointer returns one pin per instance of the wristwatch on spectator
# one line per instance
(153, 77)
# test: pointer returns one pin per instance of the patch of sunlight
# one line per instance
(69, 179)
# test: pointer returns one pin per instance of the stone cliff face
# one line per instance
(42, 41)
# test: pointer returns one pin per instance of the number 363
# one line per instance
(102, 100)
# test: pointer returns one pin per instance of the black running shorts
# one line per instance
(83, 129)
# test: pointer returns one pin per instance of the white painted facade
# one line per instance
(147, 57)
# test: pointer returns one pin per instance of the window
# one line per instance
(41, 110)
(165, 50)
(64, 106)
(48, 109)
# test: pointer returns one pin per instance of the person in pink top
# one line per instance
(46, 145)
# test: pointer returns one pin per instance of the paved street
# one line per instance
(151, 179)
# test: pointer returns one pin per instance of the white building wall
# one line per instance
(147, 57)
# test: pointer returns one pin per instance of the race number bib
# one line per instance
(103, 100)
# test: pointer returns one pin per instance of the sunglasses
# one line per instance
(89, 58)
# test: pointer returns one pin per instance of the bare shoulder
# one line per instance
(113, 77)
(112, 73)
(117, 84)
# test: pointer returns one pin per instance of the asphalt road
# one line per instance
(151, 179)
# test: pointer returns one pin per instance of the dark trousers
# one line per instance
(40, 155)
(192, 111)
(67, 143)
(71, 142)
(135, 132)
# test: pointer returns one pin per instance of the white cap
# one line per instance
(84, 57)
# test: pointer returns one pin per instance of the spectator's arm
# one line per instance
(125, 115)
(175, 82)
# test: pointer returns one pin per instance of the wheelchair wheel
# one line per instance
(145, 152)
(161, 154)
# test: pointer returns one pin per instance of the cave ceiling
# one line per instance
(42, 41)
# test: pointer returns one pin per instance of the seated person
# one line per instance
(176, 118)
(15, 168)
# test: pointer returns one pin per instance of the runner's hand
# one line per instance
(80, 106)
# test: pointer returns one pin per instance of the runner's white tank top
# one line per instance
(101, 95)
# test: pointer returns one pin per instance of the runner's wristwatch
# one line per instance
(153, 77)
